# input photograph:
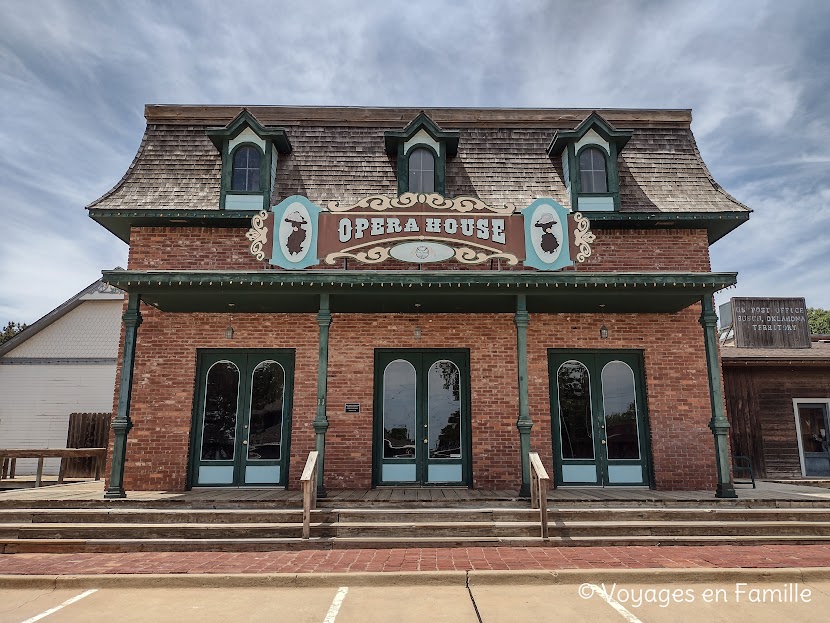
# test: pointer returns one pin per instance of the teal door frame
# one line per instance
(246, 361)
(595, 360)
(422, 359)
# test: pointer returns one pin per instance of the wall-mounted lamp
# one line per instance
(603, 332)
(417, 333)
(229, 329)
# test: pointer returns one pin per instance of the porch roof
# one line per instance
(469, 291)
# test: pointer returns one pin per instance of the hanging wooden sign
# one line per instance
(420, 229)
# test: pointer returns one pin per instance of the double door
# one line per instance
(422, 417)
(242, 418)
(599, 425)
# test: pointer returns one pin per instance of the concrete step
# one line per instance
(159, 516)
(11, 546)
(158, 531)
(376, 515)
(406, 530)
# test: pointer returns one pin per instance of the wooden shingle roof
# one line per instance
(338, 154)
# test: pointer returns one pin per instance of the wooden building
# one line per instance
(424, 297)
(777, 401)
(64, 363)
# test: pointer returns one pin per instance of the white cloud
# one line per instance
(74, 77)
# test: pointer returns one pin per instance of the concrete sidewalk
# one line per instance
(623, 596)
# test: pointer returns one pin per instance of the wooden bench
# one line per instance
(12, 454)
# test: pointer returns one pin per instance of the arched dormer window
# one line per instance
(593, 176)
(247, 169)
(249, 152)
(421, 171)
(590, 156)
(421, 151)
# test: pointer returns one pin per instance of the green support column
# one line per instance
(321, 422)
(719, 425)
(122, 424)
(524, 424)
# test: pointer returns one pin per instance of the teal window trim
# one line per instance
(274, 138)
(567, 139)
(264, 173)
(612, 178)
(447, 140)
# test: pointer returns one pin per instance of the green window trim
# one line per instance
(565, 141)
(612, 176)
(395, 142)
(264, 174)
(274, 138)
(439, 182)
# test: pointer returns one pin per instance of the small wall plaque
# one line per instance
(352, 407)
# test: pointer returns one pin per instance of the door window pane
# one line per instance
(814, 439)
(399, 410)
(620, 405)
(444, 404)
(265, 428)
(575, 426)
(221, 399)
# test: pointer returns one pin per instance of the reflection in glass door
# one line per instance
(242, 418)
(813, 442)
(422, 417)
(599, 427)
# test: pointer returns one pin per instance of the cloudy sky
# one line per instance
(74, 78)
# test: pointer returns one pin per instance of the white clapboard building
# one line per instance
(63, 363)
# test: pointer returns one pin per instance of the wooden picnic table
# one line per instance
(12, 454)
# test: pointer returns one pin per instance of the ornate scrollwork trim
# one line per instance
(583, 237)
(465, 255)
(370, 256)
(433, 200)
(258, 234)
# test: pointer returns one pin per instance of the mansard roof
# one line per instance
(340, 154)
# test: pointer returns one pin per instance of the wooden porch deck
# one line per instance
(92, 492)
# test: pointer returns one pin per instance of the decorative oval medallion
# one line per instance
(295, 232)
(422, 252)
(546, 233)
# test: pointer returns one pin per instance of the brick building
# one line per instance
(422, 296)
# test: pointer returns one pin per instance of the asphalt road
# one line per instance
(624, 603)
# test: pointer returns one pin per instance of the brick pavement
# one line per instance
(425, 559)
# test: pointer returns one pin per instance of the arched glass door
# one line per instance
(598, 418)
(242, 418)
(421, 417)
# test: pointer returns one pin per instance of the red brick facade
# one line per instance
(672, 345)
(675, 370)
(195, 248)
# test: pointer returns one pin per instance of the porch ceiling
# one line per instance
(469, 291)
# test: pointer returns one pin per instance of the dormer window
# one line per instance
(593, 177)
(247, 164)
(421, 171)
(250, 153)
(590, 154)
(421, 150)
